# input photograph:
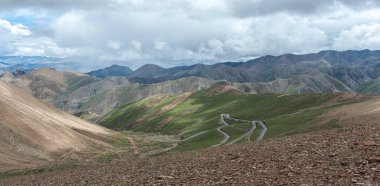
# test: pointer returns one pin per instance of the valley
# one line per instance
(343, 156)
(110, 122)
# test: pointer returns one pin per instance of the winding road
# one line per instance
(263, 131)
(247, 135)
(226, 137)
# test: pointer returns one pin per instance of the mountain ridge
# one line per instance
(359, 67)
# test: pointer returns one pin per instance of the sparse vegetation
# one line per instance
(38, 170)
(371, 87)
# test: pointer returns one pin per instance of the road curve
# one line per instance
(247, 135)
(263, 131)
(226, 137)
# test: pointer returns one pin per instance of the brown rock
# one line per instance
(373, 159)
(162, 177)
(226, 177)
(369, 143)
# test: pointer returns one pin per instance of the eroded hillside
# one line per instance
(36, 134)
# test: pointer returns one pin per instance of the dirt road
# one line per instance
(247, 135)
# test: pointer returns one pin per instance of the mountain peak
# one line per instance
(151, 66)
(147, 71)
(115, 66)
(114, 70)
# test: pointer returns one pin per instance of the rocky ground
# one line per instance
(342, 156)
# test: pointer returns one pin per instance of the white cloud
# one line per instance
(136, 45)
(207, 5)
(73, 30)
(16, 29)
(130, 55)
(113, 44)
(359, 37)
(160, 45)
(176, 30)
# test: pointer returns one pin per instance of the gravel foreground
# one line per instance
(345, 156)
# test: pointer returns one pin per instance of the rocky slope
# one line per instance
(315, 82)
(371, 87)
(96, 99)
(73, 100)
(33, 132)
(344, 156)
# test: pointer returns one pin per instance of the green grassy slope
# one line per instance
(283, 114)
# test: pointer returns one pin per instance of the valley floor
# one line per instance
(342, 156)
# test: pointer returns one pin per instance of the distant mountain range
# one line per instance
(26, 63)
(98, 92)
(29, 63)
(326, 71)
(267, 68)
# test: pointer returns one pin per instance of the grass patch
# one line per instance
(371, 87)
(255, 134)
(39, 170)
(234, 132)
(205, 140)
(108, 157)
(243, 126)
(291, 124)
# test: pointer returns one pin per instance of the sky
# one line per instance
(182, 32)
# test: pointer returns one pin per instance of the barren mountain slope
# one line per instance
(366, 112)
(47, 83)
(31, 130)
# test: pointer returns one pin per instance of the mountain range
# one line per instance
(30, 63)
(96, 93)
(326, 71)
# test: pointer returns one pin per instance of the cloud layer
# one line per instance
(176, 32)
